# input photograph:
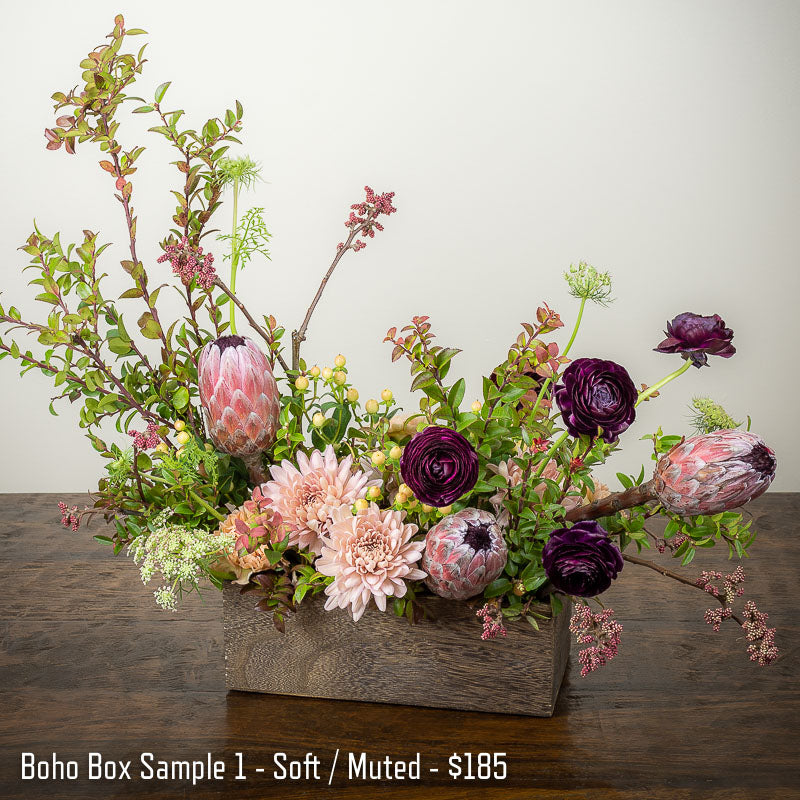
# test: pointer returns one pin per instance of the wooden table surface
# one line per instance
(89, 664)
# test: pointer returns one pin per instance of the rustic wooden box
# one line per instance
(440, 662)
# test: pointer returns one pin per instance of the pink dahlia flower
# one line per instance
(306, 495)
(240, 398)
(714, 472)
(370, 555)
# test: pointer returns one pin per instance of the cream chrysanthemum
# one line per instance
(370, 555)
(306, 495)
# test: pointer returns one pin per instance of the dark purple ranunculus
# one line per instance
(581, 560)
(439, 465)
(696, 337)
(596, 394)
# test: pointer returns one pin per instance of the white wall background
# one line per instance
(658, 140)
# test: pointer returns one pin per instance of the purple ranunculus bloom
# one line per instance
(596, 394)
(581, 560)
(696, 337)
(439, 465)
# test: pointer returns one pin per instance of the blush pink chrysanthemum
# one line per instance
(370, 556)
(307, 495)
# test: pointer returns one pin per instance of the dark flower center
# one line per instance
(761, 459)
(229, 341)
(478, 536)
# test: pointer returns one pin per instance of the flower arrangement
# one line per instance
(237, 460)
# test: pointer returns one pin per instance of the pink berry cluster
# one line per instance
(146, 440)
(600, 632)
(492, 621)
(364, 215)
(731, 585)
(762, 639)
(716, 616)
(190, 262)
(69, 516)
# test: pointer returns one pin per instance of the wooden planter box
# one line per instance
(440, 662)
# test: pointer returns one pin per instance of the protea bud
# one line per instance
(240, 399)
(463, 554)
(714, 472)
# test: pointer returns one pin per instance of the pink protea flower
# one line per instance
(240, 399)
(714, 472)
(370, 556)
(307, 495)
(464, 553)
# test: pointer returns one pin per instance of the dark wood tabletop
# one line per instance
(89, 664)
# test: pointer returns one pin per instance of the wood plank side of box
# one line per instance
(441, 662)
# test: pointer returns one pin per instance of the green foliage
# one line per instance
(252, 237)
(709, 416)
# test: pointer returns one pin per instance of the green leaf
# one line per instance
(456, 394)
(143, 110)
(180, 398)
(119, 347)
(149, 327)
(497, 587)
(161, 91)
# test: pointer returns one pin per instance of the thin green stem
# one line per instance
(546, 385)
(211, 510)
(575, 329)
(546, 460)
(656, 386)
(234, 250)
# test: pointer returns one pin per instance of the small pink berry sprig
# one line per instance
(145, 440)
(731, 584)
(363, 218)
(492, 618)
(600, 632)
(762, 647)
(69, 516)
(190, 262)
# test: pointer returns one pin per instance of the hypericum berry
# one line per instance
(180, 451)
(361, 504)
(378, 458)
(371, 406)
(314, 371)
(301, 383)
(396, 452)
(352, 395)
(445, 510)
(183, 437)
(476, 407)
(426, 508)
(340, 360)
(318, 420)
(339, 377)
(179, 425)
(386, 395)
(326, 373)
(161, 447)
(404, 489)
(373, 493)
(209, 447)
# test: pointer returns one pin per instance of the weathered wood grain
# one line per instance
(680, 714)
(440, 662)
